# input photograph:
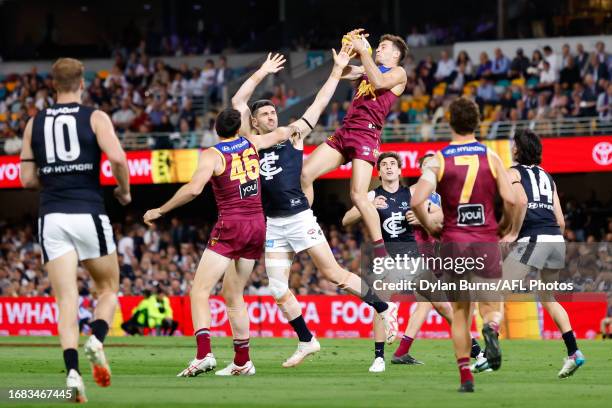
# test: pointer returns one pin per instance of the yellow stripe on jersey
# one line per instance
(441, 170)
(214, 149)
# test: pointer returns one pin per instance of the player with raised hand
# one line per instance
(291, 225)
(468, 176)
(232, 167)
(539, 236)
(383, 80)
(61, 153)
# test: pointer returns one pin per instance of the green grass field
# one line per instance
(144, 372)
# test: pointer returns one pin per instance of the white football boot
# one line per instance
(571, 364)
(199, 366)
(233, 369)
(74, 382)
(378, 366)
(304, 349)
(94, 350)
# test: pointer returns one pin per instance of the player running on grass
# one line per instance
(468, 176)
(540, 242)
(383, 80)
(291, 225)
(400, 227)
(232, 167)
(62, 146)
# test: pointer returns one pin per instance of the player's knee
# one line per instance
(358, 197)
(231, 295)
(278, 287)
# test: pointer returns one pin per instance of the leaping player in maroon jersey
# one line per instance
(383, 80)
(468, 176)
(232, 167)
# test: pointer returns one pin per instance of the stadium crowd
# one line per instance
(166, 256)
(144, 95)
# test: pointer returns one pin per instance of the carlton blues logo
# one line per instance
(393, 225)
(267, 165)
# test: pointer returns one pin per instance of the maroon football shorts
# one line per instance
(481, 247)
(239, 238)
(352, 144)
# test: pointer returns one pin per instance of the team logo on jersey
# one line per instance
(602, 153)
(249, 189)
(295, 202)
(267, 165)
(393, 224)
(403, 205)
(469, 215)
(365, 89)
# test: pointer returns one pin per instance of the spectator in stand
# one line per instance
(278, 96)
(566, 56)
(597, 69)
(208, 75)
(292, 98)
(603, 57)
(464, 58)
(570, 74)
(604, 105)
(582, 58)
(484, 69)
(188, 114)
(123, 117)
(416, 39)
(223, 75)
(335, 115)
(485, 94)
(559, 103)
(500, 66)
(548, 77)
(552, 58)
(519, 64)
(457, 80)
(536, 65)
(446, 66)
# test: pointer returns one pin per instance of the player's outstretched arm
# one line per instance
(28, 171)
(275, 137)
(314, 111)
(240, 100)
(395, 76)
(109, 144)
(210, 161)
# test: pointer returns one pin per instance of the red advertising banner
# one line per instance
(561, 155)
(585, 318)
(32, 316)
(328, 316)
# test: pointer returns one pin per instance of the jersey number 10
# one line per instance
(55, 138)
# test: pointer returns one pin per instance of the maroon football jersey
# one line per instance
(370, 106)
(468, 188)
(237, 188)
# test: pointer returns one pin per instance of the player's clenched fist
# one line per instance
(151, 216)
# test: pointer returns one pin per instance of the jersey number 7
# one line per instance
(472, 163)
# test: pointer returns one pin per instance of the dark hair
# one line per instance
(547, 48)
(386, 155)
(398, 42)
(422, 159)
(260, 104)
(228, 122)
(146, 293)
(464, 116)
(528, 148)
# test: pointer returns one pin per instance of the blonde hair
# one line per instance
(67, 74)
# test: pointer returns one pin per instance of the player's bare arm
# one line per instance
(109, 144)
(509, 197)
(314, 111)
(272, 65)
(394, 78)
(558, 211)
(28, 170)
(275, 137)
(507, 225)
(210, 164)
(422, 190)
